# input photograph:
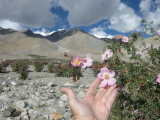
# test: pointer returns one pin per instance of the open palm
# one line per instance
(94, 106)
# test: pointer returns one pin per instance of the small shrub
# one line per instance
(2, 67)
(50, 67)
(38, 66)
(23, 75)
(15, 67)
(19, 66)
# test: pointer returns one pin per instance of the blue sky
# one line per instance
(102, 18)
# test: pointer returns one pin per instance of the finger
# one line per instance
(101, 92)
(111, 100)
(108, 93)
(92, 89)
(72, 99)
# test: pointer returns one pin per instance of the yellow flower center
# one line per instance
(125, 39)
(77, 62)
(106, 76)
(106, 55)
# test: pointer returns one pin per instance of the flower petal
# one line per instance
(104, 69)
(104, 83)
(158, 80)
(83, 66)
(112, 81)
(103, 57)
(100, 76)
(111, 74)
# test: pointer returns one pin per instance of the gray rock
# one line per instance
(30, 68)
(52, 84)
(33, 103)
(45, 68)
(8, 112)
(10, 118)
(8, 69)
(46, 117)
(34, 113)
(68, 84)
(51, 96)
(16, 113)
(1, 89)
(5, 83)
(60, 109)
(67, 115)
(22, 98)
(63, 97)
(17, 118)
(21, 104)
(14, 83)
(23, 113)
(25, 117)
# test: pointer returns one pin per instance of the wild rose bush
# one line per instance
(138, 78)
(138, 81)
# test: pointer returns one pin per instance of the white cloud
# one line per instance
(10, 24)
(43, 32)
(99, 32)
(88, 12)
(151, 11)
(30, 13)
(125, 20)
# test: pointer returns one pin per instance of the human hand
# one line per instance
(94, 106)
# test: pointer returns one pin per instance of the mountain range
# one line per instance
(24, 43)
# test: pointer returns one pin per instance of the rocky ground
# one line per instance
(38, 97)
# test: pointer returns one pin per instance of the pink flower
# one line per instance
(145, 48)
(76, 62)
(107, 54)
(158, 32)
(158, 79)
(107, 77)
(66, 53)
(87, 62)
(125, 39)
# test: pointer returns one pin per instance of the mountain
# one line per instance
(6, 31)
(54, 37)
(28, 43)
(80, 41)
(1, 28)
(25, 43)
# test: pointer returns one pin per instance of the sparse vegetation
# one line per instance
(50, 67)
(38, 66)
(23, 75)
(19, 65)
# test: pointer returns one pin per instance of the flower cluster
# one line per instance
(124, 39)
(82, 62)
(107, 54)
(106, 75)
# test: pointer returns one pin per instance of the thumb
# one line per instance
(72, 99)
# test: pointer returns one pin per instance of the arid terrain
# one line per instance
(38, 97)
